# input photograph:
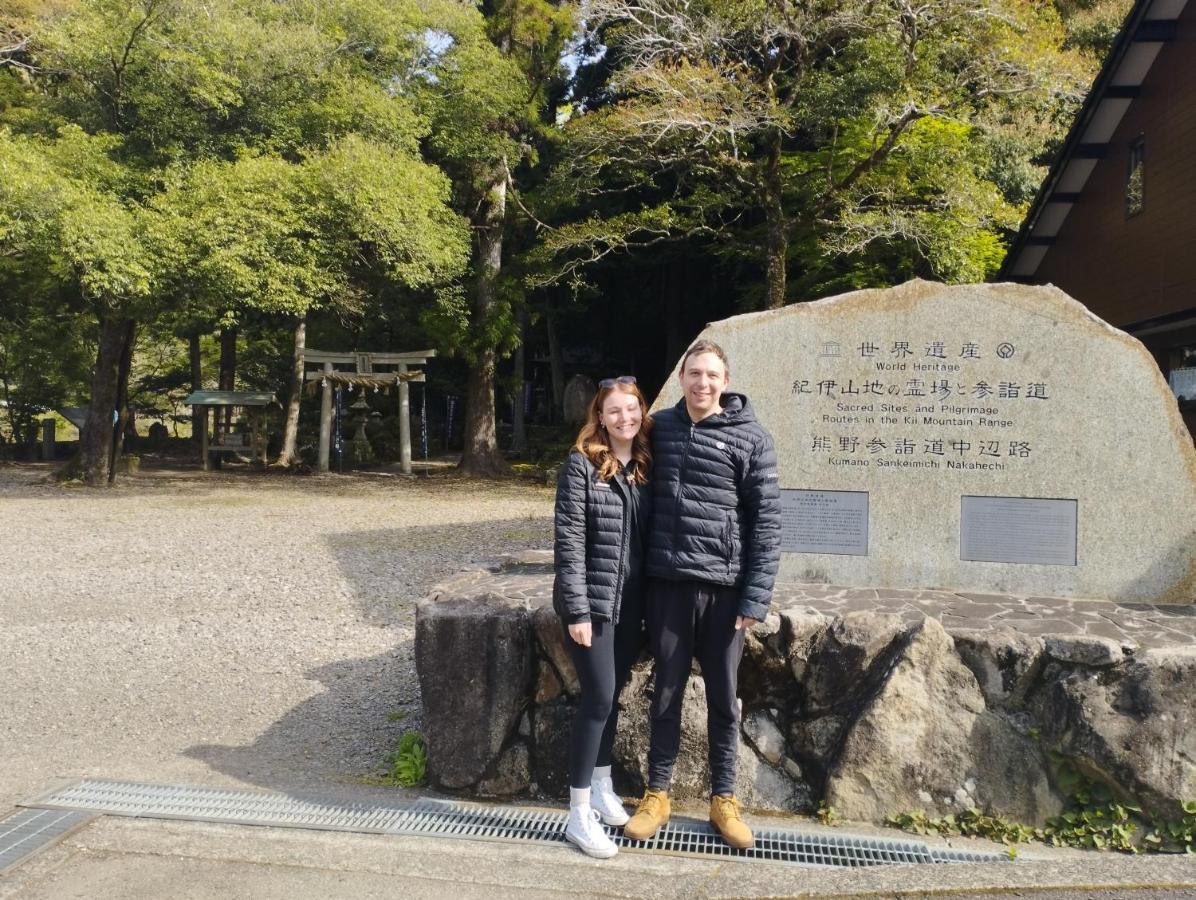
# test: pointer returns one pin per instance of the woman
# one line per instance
(601, 527)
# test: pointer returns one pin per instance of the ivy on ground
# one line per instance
(1093, 819)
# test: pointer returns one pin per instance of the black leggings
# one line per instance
(602, 670)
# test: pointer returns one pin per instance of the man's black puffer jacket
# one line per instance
(718, 502)
(592, 531)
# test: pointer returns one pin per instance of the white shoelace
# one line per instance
(591, 826)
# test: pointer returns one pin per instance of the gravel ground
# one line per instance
(227, 628)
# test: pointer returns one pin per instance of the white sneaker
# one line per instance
(585, 830)
(608, 804)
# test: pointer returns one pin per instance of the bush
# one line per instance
(409, 762)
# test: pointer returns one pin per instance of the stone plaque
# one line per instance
(1026, 530)
(824, 522)
(920, 394)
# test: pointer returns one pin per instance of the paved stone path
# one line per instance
(527, 578)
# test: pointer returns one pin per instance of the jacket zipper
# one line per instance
(681, 489)
(617, 600)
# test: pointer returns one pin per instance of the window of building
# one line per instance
(1134, 196)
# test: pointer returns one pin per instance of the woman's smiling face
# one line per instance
(621, 415)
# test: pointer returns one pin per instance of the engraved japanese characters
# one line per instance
(976, 437)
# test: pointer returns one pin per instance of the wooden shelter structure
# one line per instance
(363, 375)
(220, 441)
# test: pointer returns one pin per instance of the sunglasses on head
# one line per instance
(611, 382)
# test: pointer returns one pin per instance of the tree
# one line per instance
(61, 213)
(838, 126)
(261, 157)
(495, 88)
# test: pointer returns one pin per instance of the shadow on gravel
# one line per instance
(346, 731)
(391, 569)
(333, 739)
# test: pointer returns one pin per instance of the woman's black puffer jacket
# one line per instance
(592, 530)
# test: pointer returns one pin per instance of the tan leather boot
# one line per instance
(724, 815)
(653, 811)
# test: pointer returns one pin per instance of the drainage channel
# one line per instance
(28, 831)
(451, 819)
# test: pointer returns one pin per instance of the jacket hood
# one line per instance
(736, 411)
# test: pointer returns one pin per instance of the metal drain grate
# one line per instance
(462, 820)
(199, 804)
(444, 818)
(29, 830)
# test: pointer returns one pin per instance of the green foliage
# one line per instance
(1176, 835)
(891, 143)
(970, 823)
(1093, 819)
(826, 814)
(1092, 25)
(63, 216)
(409, 761)
(932, 195)
(185, 163)
(44, 358)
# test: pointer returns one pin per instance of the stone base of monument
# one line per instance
(870, 701)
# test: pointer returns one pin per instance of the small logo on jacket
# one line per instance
(721, 445)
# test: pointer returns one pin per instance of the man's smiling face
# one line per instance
(703, 380)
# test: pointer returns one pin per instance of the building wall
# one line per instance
(1129, 269)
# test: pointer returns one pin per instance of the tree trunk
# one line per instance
(13, 425)
(289, 455)
(480, 457)
(777, 248)
(518, 417)
(122, 397)
(228, 369)
(196, 383)
(556, 360)
(95, 443)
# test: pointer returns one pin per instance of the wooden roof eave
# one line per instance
(1148, 22)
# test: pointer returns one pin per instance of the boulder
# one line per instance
(926, 741)
(976, 391)
(1084, 650)
(511, 775)
(551, 637)
(691, 774)
(851, 655)
(579, 392)
(552, 725)
(1131, 726)
(1003, 661)
(871, 711)
(468, 717)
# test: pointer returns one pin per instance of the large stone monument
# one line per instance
(991, 438)
(971, 475)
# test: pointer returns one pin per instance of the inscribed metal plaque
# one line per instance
(824, 522)
(1029, 530)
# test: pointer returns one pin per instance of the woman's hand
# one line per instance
(582, 633)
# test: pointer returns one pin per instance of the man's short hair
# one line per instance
(705, 346)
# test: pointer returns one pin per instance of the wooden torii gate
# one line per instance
(363, 373)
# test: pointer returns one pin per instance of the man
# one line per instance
(713, 553)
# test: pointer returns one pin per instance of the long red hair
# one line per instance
(594, 442)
